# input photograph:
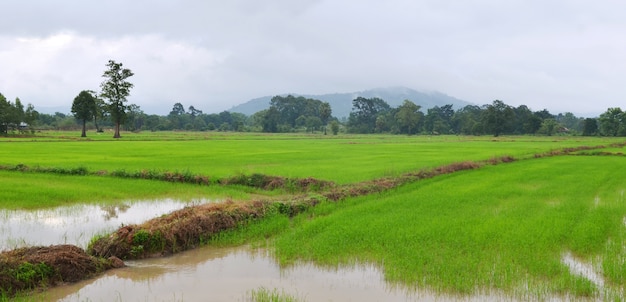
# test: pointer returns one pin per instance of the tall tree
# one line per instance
(364, 114)
(325, 113)
(467, 120)
(100, 113)
(193, 111)
(30, 116)
(439, 119)
(84, 109)
(612, 122)
(178, 109)
(408, 116)
(497, 117)
(5, 108)
(590, 126)
(116, 89)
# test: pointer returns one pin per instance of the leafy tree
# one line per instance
(238, 121)
(100, 112)
(570, 121)
(612, 122)
(30, 117)
(135, 118)
(193, 111)
(116, 89)
(467, 120)
(365, 113)
(590, 126)
(12, 115)
(408, 117)
(544, 114)
(17, 113)
(178, 109)
(325, 113)
(334, 127)
(5, 108)
(288, 112)
(84, 109)
(438, 119)
(548, 126)
(271, 119)
(497, 117)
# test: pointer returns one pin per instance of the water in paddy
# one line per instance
(204, 274)
(229, 274)
(77, 224)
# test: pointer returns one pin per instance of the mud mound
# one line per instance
(189, 227)
(33, 267)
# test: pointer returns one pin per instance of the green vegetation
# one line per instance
(501, 227)
(263, 294)
(37, 190)
(342, 159)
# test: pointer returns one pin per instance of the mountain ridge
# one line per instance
(341, 103)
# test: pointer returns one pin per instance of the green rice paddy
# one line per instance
(503, 228)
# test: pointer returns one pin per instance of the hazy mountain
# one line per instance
(341, 103)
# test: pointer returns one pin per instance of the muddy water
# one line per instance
(229, 274)
(77, 224)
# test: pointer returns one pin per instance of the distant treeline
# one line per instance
(300, 114)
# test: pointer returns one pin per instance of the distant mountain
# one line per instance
(341, 103)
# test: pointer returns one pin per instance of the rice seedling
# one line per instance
(497, 228)
(263, 294)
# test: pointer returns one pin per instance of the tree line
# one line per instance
(109, 108)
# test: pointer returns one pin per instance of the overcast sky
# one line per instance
(562, 55)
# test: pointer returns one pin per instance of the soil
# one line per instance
(66, 263)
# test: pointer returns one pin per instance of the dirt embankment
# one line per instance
(35, 267)
(189, 227)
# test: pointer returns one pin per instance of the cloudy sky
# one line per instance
(562, 55)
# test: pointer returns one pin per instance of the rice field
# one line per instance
(542, 227)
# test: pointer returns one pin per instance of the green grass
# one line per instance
(343, 159)
(42, 190)
(263, 294)
(501, 227)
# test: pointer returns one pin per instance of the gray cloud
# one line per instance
(560, 55)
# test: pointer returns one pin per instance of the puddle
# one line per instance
(585, 270)
(229, 274)
(77, 224)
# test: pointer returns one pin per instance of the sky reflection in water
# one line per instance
(77, 224)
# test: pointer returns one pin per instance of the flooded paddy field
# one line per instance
(229, 274)
(206, 273)
(78, 223)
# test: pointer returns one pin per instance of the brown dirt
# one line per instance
(185, 229)
(67, 263)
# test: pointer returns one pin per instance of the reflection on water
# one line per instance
(228, 274)
(76, 224)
